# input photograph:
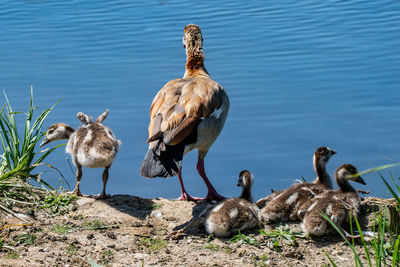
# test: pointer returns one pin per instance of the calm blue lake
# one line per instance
(299, 74)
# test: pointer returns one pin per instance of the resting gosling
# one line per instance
(93, 145)
(235, 214)
(336, 204)
(284, 205)
(229, 216)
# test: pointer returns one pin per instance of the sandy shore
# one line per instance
(131, 231)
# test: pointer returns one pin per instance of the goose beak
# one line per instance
(333, 152)
(44, 142)
(360, 180)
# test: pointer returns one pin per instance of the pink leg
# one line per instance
(212, 193)
(184, 194)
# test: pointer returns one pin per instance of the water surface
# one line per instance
(299, 74)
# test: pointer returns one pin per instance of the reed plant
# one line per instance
(19, 158)
(383, 249)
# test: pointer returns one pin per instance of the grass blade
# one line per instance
(395, 252)
(329, 258)
(343, 236)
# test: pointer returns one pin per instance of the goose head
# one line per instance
(192, 39)
(349, 173)
(346, 173)
(57, 131)
(323, 154)
(246, 180)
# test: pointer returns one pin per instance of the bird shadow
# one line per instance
(134, 206)
(195, 226)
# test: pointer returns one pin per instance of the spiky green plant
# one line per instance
(19, 157)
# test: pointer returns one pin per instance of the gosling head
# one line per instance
(323, 154)
(348, 172)
(57, 131)
(246, 179)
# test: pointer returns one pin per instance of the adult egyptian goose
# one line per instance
(93, 145)
(285, 204)
(186, 114)
(336, 204)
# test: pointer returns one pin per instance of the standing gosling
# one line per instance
(235, 214)
(336, 204)
(93, 145)
(284, 205)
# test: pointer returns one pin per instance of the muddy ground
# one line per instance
(131, 231)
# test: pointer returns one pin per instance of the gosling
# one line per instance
(229, 216)
(93, 145)
(336, 204)
(235, 214)
(286, 204)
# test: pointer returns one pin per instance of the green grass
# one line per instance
(212, 247)
(20, 158)
(61, 229)
(384, 247)
(107, 257)
(227, 250)
(26, 239)
(58, 203)
(282, 235)
(244, 239)
(12, 255)
(156, 206)
(210, 237)
(377, 251)
(95, 225)
(153, 244)
(71, 250)
(90, 225)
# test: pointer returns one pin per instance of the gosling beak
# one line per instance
(360, 180)
(44, 142)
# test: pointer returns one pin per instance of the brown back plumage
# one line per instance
(96, 136)
(180, 100)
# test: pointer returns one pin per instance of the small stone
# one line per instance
(140, 256)
(90, 236)
(82, 201)
(156, 214)
(111, 235)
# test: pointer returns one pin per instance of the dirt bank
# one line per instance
(130, 231)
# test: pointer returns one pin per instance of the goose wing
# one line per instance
(180, 105)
